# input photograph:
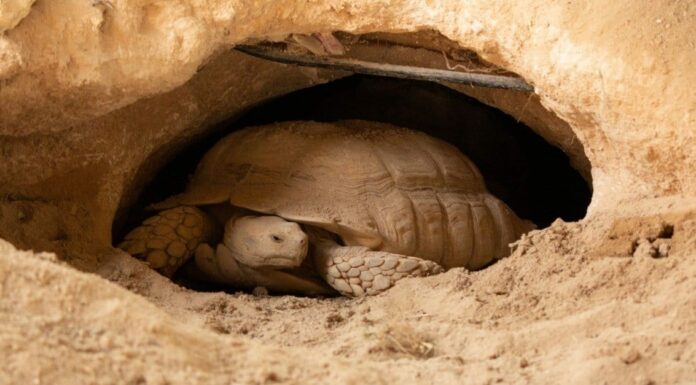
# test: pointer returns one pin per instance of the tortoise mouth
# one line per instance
(286, 260)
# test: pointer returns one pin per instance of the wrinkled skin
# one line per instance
(266, 241)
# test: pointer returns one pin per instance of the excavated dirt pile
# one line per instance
(96, 97)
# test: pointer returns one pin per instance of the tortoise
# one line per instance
(357, 205)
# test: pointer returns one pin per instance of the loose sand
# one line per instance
(550, 313)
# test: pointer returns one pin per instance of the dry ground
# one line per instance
(556, 311)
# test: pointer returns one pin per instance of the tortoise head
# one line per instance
(266, 241)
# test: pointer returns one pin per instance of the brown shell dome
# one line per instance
(373, 184)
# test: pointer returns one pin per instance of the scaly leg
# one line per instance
(356, 271)
(168, 239)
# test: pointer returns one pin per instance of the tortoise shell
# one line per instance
(373, 184)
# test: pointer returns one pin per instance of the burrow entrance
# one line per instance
(533, 177)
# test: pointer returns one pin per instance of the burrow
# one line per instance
(529, 157)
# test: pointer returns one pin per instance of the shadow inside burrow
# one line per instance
(519, 167)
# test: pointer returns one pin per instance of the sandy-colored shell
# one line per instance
(373, 184)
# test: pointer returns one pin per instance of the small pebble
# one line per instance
(630, 356)
(260, 291)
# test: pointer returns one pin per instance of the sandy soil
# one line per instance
(97, 95)
(554, 312)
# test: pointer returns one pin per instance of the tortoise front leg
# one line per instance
(167, 240)
(356, 271)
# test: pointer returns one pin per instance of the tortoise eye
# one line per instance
(276, 238)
